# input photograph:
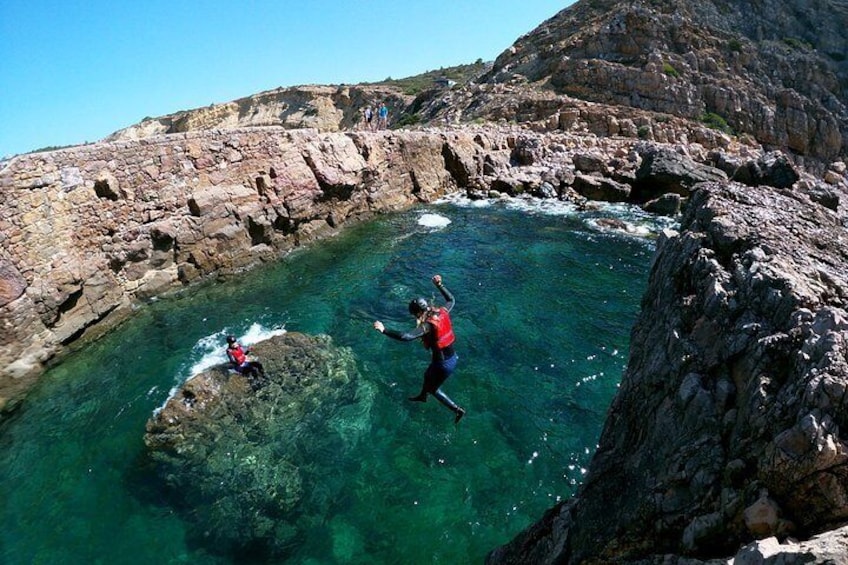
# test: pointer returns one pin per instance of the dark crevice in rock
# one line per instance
(336, 191)
(103, 189)
(70, 302)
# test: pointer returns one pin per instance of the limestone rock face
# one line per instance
(240, 463)
(730, 423)
(12, 284)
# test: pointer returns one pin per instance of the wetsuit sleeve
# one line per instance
(407, 336)
(450, 301)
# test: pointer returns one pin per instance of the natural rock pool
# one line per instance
(545, 302)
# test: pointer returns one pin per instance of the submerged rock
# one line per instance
(242, 465)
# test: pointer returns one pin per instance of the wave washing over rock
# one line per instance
(241, 464)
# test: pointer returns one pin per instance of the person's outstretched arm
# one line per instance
(401, 336)
(450, 301)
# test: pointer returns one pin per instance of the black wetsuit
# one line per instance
(442, 363)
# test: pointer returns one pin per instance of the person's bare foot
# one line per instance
(459, 414)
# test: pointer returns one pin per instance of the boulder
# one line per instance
(590, 163)
(665, 205)
(824, 195)
(242, 464)
(771, 169)
(600, 188)
(825, 549)
(664, 170)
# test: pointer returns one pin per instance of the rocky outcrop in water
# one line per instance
(241, 464)
(730, 422)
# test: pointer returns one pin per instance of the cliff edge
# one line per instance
(775, 71)
(730, 422)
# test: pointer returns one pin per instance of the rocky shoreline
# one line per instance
(727, 440)
(88, 232)
(730, 422)
(747, 300)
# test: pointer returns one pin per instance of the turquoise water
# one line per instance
(545, 303)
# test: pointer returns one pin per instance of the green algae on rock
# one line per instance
(243, 464)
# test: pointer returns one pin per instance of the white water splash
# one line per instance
(621, 226)
(433, 221)
(210, 350)
(547, 206)
(626, 219)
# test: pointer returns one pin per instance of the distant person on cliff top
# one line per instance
(435, 329)
(253, 370)
(383, 114)
(369, 117)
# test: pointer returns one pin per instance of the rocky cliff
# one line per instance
(729, 425)
(773, 70)
(321, 107)
(776, 70)
(87, 231)
(730, 422)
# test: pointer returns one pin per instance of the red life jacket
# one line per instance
(237, 354)
(441, 322)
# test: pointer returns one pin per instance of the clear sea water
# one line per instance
(545, 302)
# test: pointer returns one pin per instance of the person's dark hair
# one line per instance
(417, 306)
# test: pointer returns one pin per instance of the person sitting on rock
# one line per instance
(237, 355)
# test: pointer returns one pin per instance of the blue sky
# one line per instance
(74, 71)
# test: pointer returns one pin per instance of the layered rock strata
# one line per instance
(88, 231)
(326, 108)
(772, 69)
(730, 424)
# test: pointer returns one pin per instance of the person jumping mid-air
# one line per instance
(435, 329)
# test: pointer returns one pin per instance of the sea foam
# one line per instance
(433, 221)
(210, 350)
